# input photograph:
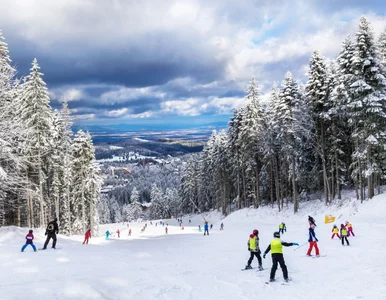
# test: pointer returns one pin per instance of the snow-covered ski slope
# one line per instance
(187, 265)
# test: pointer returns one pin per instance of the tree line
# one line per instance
(323, 136)
(45, 171)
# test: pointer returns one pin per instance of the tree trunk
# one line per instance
(257, 187)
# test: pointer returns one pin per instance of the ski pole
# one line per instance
(300, 246)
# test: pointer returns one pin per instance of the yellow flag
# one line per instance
(329, 219)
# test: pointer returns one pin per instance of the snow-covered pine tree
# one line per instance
(36, 114)
(382, 46)
(367, 110)
(159, 210)
(317, 92)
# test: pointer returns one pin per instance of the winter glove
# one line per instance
(45, 233)
(264, 255)
(295, 244)
(249, 249)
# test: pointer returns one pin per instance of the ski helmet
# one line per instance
(30, 231)
(276, 234)
(251, 235)
(255, 232)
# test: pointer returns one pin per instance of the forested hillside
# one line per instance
(326, 135)
(45, 172)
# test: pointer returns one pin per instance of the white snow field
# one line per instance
(187, 265)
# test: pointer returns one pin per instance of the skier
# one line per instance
(87, 236)
(29, 241)
(51, 231)
(190, 221)
(349, 229)
(166, 230)
(211, 226)
(276, 247)
(130, 232)
(107, 234)
(254, 249)
(344, 234)
(282, 228)
(206, 228)
(222, 226)
(311, 221)
(313, 241)
(335, 231)
(199, 228)
(118, 232)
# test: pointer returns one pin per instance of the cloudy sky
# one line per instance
(172, 61)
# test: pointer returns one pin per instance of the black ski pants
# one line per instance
(345, 238)
(50, 236)
(206, 232)
(277, 258)
(253, 254)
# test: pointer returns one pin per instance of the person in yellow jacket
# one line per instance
(276, 248)
(335, 231)
(349, 229)
(254, 249)
(282, 228)
(344, 234)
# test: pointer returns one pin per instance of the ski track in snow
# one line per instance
(186, 265)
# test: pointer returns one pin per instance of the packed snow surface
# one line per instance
(185, 264)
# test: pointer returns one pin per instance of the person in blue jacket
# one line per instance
(107, 234)
(206, 228)
(313, 241)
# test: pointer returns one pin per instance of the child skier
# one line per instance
(206, 228)
(344, 234)
(349, 229)
(107, 234)
(313, 241)
(282, 228)
(222, 226)
(118, 232)
(130, 232)
(335, 231)
(254, 249)
(29, 241)
(166, 230)
(276, 248)
(199, 228)
(211, 226)
(87, 236)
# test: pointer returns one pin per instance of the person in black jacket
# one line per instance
(51, 232)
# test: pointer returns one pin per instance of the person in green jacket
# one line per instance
(254, 249)
(276, 248)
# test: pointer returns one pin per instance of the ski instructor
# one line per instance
(51, 232)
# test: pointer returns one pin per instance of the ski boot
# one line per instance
(261, 268)
(272, 280)
(247, 267)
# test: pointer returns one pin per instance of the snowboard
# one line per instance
(282, 283)
(252, 269)
(50, 248)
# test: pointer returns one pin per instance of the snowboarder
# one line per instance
(206, 228)
(313, 241)
(311, 221)
(118, 232)
(276, 248)
(29, 240)
(51, 231)
(349, 229)
(211, 226)
(344, 234)
(282, 228)
(254, 249)
(335, 231)
(199, 228)
(87, 236)
(222, 226)
(166, 230)
(107, 234)
(130, 232)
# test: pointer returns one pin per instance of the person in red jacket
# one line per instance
(87, 236)
(29, 241)
(118, 232)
